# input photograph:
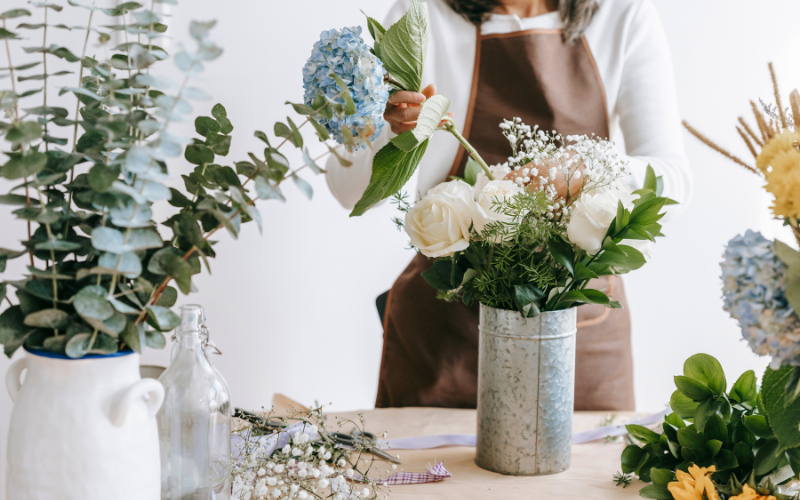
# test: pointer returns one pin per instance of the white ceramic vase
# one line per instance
(82, 429)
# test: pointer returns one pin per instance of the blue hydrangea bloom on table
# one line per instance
(753, 287)
(345, 54)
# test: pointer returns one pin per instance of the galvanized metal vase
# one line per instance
(526, 390)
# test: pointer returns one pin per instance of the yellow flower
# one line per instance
(691, 486)
(779, 161)
(784, 141)
(783, 181)
(749, 493)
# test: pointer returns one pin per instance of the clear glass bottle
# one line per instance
(194, 423)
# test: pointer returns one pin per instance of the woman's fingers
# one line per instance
(405, 97)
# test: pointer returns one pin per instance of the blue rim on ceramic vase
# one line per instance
(48, 354)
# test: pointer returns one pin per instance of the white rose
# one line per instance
(438, 225)
(499, 172)
(485, 210)
(592, 214)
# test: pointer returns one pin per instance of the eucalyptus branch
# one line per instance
(77, 116)
(44, 83)
(298, 128)
(157, 294)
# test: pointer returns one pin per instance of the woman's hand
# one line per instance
(402, 109)
(559, 182)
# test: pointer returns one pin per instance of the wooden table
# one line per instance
(589, 477)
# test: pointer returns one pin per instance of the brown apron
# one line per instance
(430, 348)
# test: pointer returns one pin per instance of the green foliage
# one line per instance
(100, 265)
(710, 426)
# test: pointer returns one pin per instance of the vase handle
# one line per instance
(13, 384)
(146, 387)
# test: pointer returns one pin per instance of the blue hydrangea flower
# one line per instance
(345, 54)
(753, 284)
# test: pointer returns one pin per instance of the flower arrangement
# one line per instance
(85, 182)
(295, 457)
(716, 443)
(513, 243)
(761, 278)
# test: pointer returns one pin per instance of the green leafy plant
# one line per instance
(711, 425)
(99, 267)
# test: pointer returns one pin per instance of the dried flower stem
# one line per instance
(718, 149)
(746, 140)
(766, 132)
(794, 100)
(778, 96)
(750, 132)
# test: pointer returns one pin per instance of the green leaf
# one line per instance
(48, 318)
(375, 29)
(111, 240)
(78, 345)
(792, 386)
(404, 45)
(782, 418)
(433, 111)
(321, 132)
(713, 447)
(168, 297)
(744, 455)
(744, 389)
(692, 389)
(11, 14)
(133, 335)
(198, 154)
(19, 167)
(349, 104)
(562, 252)
(702, 367)
(757, 424)
(525, 298)
(675, 420)
(718, 384)
(162, 318)
(101, 176)
(716, 429)
(725, 460)
(689, 438)
(90, 302)
(113, 326)
(266, 189)
(661, 477)
(206, 126)
(632, 457)
(303, 186)
(767, 457)
(643, 434)
(682, 405)
(438, 276)
(655, 492)
(391, 169)
(297, 137)
(154, 340)
(471, 171)
(302, 109)
(702, 413)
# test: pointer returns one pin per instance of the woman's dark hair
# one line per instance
(575, 14)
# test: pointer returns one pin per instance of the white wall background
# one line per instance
(293, 309)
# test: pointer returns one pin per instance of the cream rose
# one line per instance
(499, 172)
(438, 225)
(485, 211)
(592, 214)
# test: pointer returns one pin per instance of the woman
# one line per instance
(576, 66)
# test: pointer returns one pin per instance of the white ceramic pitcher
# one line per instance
(82, 429)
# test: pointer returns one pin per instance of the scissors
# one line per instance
(366, 440)
(259, 421)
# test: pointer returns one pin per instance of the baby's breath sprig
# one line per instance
(309, 466)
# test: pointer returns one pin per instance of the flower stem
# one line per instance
(474, 154)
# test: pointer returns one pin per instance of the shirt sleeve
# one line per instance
(349, 183)
(648, 109)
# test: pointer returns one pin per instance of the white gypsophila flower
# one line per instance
(487, 209)
(438, 224)
(592, 214)
(499, 172)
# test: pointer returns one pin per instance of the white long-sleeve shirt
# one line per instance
(632, 56)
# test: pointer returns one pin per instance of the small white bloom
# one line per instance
(294, 488)
(324, 483)
(262, 471)
(286, 449)
(272, 481)
(279, 468)
(341, 462)
(297, 452)
(394, 466)
(276, 492)
(302, 495)
(365, 492)
(349, 473)
(327, 455)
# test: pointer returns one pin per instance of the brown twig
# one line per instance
(750, 132)
(746, 140)
(778, 103)
(766, 131)
(705, 140)
(794, 100)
